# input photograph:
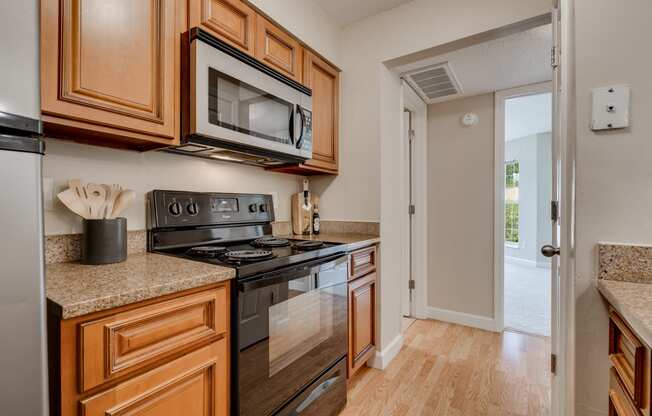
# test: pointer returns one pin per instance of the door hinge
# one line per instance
(553, 363)
(411, 134)
(554, 57)
(554, 211)
(411, 209)
(411, 284)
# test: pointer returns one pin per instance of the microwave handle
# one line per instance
(303, 125)
(291, 128)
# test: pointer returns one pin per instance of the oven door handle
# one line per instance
(315, 394)
(291, 273)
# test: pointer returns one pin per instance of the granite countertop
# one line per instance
(353, 241)
(75, 289)
(632, 302)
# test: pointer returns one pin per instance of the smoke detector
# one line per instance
(434, 83)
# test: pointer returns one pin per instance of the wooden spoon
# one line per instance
(112, 192)
(70, 199)
(96, 196)
(124, 199)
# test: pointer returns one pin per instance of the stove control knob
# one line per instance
(192, 208)
(253, 208)
(175, 209)
(263, 208)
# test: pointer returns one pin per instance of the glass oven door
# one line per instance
(292, 326)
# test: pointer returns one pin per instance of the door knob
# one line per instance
(549, 251)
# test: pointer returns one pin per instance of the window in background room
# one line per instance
(511, 203)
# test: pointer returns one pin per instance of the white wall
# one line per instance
(371, 122)
(307, 21)
(144, 172)
(614, 170)
(460, 207)
(154, 170)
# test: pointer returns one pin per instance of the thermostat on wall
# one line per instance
(470, 119)
(610, 107)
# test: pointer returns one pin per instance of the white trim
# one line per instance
(520, 261)
(415, 104)
(381, 359)
(499, 191)
(461, 318)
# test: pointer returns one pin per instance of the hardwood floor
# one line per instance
(446, 369)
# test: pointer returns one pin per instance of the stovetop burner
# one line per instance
(270, 242)
(249, 255)
(206, 251)
(308, 245)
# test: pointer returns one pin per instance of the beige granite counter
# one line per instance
(633, 301)
(75, 289)
(353, 241)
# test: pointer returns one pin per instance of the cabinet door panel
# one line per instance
(362, 305)
(278, 49)
(324, 80)
(230, 20)
(194, 385)
(111, 63)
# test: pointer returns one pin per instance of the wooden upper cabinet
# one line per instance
(111, 67)
(229, 20)
(278, 50)
(324, 80)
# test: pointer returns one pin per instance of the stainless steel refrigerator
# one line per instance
(23, 352)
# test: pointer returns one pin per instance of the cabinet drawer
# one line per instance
(362, 262)
(620, 404)
(194, 384)
(627, 355)
(118, 344)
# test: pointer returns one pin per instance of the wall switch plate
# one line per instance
(610, 107)
(48, 193)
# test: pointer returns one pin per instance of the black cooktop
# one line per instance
(257, 256)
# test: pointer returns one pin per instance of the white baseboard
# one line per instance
(381, 359)
(520, 262)
(584, 410)
(461, 318)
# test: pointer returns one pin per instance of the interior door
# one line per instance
(560, 227)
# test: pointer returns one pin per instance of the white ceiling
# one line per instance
(345, 12)
(515, 60)
(529, 115)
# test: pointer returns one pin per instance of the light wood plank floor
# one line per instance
(446, 369)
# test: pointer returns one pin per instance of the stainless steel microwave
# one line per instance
(237, 109)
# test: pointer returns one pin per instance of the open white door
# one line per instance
(560, 249)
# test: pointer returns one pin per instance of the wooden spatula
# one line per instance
(122, 202)
(70, 199)
(96, 197)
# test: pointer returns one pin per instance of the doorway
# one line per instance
(526, 118)
(414, 217)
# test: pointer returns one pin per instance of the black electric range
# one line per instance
(257, 255)
(289, 308)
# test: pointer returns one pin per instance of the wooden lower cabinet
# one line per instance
(630, 386)
(166, 356)
(193, 385)
(362, 331)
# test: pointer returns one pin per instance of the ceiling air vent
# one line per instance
(434, 83)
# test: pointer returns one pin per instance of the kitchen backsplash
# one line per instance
(66, 247)
(625, 262)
